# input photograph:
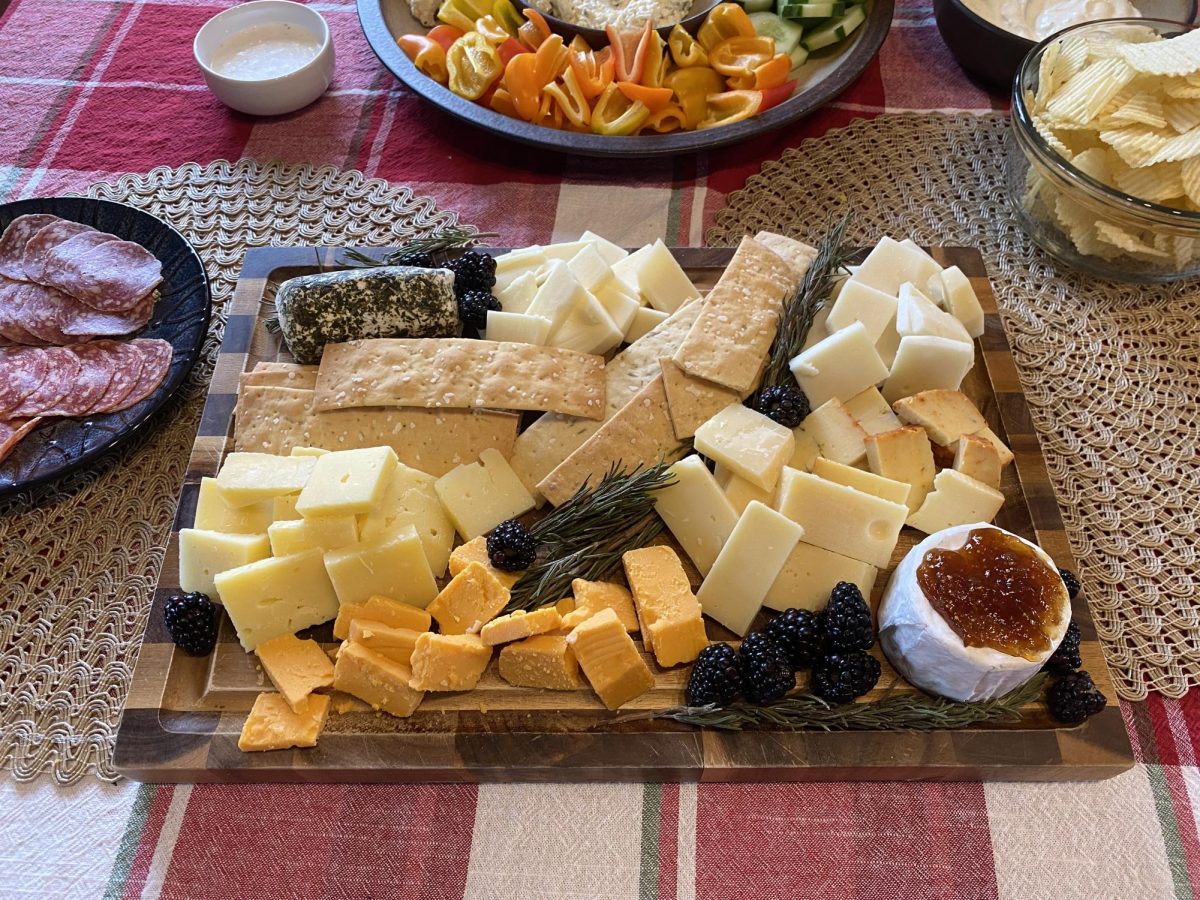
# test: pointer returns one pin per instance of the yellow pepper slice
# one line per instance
(426, 54)
(731, 106)
(724, 21)
(568, 94)
(614, 114)
(685, 50)
(506, 14)
(452, 13)
(490, 27)
(692, 87)
(473, 64)
(669, 118)
(738, 57)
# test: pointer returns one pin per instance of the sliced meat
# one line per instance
(64, 367)
(44, 240)
(109, 275)
(21, 373)
(156, 362)
(96, 362)
(12, 301)
(40, 311)
(128, 362)
(14, 239)
(11, 433)
(79, 319)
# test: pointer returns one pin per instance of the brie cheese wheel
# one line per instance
(928, 653)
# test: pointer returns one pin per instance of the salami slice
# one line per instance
(12, 300)
(96, 363)
(60, 378)
(128, 362)
(156, 362)
(44, 240)
(11, 433)
(40, 310)
(108, 275)
(21, 373)
(14, 239)
(81, 319)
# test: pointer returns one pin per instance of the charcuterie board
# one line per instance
(184, 714)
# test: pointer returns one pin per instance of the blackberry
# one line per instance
(716, 677)
(473, 271)
(784, 404)
(1072, 698)
(192, 623)
(418, 259)
(848, 619)
(1072, 583)
(473, 308)
(801, 634)
(840, 677)
(1066, 658)
(511, 547)
(766, 672)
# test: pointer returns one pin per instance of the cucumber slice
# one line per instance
(834, 30)
(793, 9)
(799, 56)
(757, 6)
(786, 34)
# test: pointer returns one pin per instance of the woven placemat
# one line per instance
(1112, 371)
(80, 557)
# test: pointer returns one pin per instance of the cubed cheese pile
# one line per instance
(588, 295)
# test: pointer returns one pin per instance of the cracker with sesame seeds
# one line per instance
(290, 375)
(270, 419)
(458, 373)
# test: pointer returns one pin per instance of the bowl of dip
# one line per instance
(990, 38)
(266, 57)
(587, 18)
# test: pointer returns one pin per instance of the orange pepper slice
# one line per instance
(502, 102)
(655, 98)
(773, 72)
(521, 81)
(629, 49)
(725, 20)
(444, 35)
(731, 106)
(535, 30)
(551, 58)
(615, 114)
(669, 118)
(426, 54)
(593, 70)
(740, 56)
(550, 115)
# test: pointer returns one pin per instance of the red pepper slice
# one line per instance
(629, 50)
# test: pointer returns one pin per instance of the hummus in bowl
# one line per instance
(624, 15)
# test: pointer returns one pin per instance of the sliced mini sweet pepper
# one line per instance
(776, 95)
(444, 35)
(509, 49)
(534, 30)
(550, 115)
(629, 49)
(568, 94)
(655, 98)
(724, 21)
(692, 86)
(731, 106)
(551, 57)
(473, 65)
(658, 61)
(773, 72)
(669, 118)
(739, 57)
(524, 88)
(491, 29)
(685, 50)
(502, 103)
(506, 14)
(426, 54)
(593, 69)
(615, 114)
(453, 14)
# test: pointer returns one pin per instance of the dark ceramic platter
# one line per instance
(829, 72)
(180, 317)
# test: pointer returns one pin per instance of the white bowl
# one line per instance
(266, 96)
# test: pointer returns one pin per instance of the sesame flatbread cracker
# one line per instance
(458, 373)
(795, 253)
(730, 341)
(692, 401)
(280, 375)
(270, 419)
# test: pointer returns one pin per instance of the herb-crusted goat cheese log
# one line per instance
(385, 302)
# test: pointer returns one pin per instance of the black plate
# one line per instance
(180, 317)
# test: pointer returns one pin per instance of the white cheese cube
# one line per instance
(819, 330)
(307, 451)
(588, 329)
(410, 499)
(696, 511)
(856, 302)
(517, 327)
(481, 495)
(283, 508)
(392, 566)
(644, 321)
(891, 264)
(739, 492)
(348, 482)
(913, 245)
(806, 451)
(204, 554)
(925, 363)
(610, 252)
(747, 443)
(888, 344)
(214, 514)
(320, 533)
(810, 575)
(839, 367)
(589, 268)
(840, 518)
(627, 269)
(619, 303)
(957, 499)
(563, 251)
(662, 281)
(961, 300)
(836, 433)
(516, 297)
(917, 314)
(867, 482)
(275, 596)
(558, 297)
(747, 566)
(514, 265)
(247, 478)
(872, 412)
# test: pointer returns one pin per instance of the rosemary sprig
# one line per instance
(800, 309)
(807, 712)
(452, 237)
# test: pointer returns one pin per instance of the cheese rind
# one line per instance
(810, 574)
(696, 511)
(448, 662)
(471, 600)
(836, 433)
(214, 514)
(840, 367)
(519, 625)
(389, 612)
(610, 660)
(668, 612)
(956, 500)
(481, 495)
(347, 482)
(324, 533)
(543, 661)
(295, 667)
(903, 455)
(747, 443)
(280, 595)
(273, 725)
(247, 478)
(978, 458)
(840, 518)
(867, 482)
(747, 566)
(380, 682)
(203, 554)
(393, 566)
(593, 596)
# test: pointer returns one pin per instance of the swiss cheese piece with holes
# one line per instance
(249, 478)
(840, 518)
(347, 482)
(280, 595)
(213, 513)
(410, 499)
(479, 496)
(696, 511)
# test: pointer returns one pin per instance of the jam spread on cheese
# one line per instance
(994, 591)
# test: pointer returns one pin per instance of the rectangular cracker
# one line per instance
(639, 435)
(692, 401)
(270, 419)
(730, 341)
(796, 254)
(458, 373)
(287, 375)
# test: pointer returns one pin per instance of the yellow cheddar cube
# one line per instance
(392, 566)
(273, 725)
(380, 682)
(394, 643)
(475, 551)
(448, 662)
(295, 667)
(610, 660)
(347, 482)
(280, 595)
(520, 624)
(326, 533)
(668, 611)
(472, 599)
(214, 514)
(544, 661)
(565, 605)
(247, 478)
(384, 610)
(204, 554)
(593, 596)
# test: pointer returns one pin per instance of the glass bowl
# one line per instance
(1075, 217)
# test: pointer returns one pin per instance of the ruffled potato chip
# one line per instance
(1178, 56)
(1182, 115)
(1136, 144)
(1157, 183)
(1082, 98)
(1141, 109)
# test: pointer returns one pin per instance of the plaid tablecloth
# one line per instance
(91, 88)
